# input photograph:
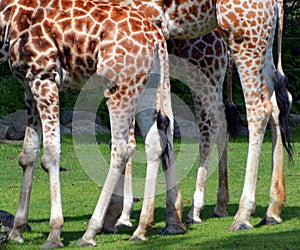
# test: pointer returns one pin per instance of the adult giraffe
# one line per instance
(62, 43)
(248, 28)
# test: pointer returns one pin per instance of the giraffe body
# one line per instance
(62, 43)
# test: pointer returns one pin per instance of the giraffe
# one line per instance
(248, 28)
(61, 43)
(210, 54)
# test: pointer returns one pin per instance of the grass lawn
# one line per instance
(80, 195)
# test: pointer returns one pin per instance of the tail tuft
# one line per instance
(284, 105)
(163, 123)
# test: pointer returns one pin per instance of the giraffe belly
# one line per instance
(190, 20)
(179, 30)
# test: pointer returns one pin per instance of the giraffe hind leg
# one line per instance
(156, 140)
(174, 223)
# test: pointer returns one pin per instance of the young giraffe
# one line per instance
(209, 53)
(248, 28)
(62, 43)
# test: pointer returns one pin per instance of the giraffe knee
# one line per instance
(50, 160)
(26, 159)
(123, 149)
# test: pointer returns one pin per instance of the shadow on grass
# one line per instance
(66, 218)
(288, 213)
(241, 240)
(236, 240)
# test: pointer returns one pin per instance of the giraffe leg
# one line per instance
(258, 107)
(114, 209)
(156, 143)
(205, 148)
(120, 203)
(121, 150)
(153, 150)
(124, 220)
(277, 191)
(165, 126)
(27, 160)
(144, 118)
(223, 193)
(250, 54)
(174, 203)
(46, 95)
(205, 120)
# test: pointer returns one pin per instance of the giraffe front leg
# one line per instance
(121, 150)
(211, 123)
(97, 220)
(27, 160)
(220, 209)
(121, 203)
(114, 209)
(205, 131)
(45, 93)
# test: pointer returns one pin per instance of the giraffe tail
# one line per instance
(231, 111)
(164, 118)
(283, 97)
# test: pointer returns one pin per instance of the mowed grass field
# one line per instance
(80, 195)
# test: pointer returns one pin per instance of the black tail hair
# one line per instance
(284, 104)
(163, 123)
(232, 119)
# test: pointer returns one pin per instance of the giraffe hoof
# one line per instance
(190, 221)
(109, 230)
(50, 244)
(123, 224)
(173, 229)
(138, 238)
(16, 236)
(270, 221)
(86, 243)
(219, 215)
(237, 226)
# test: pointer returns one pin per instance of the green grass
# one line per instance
(80, 195)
